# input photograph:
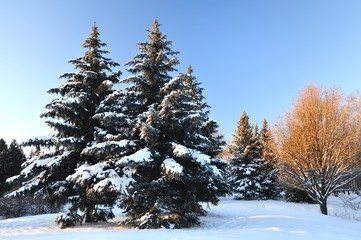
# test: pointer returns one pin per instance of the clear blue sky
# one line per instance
(251, 56)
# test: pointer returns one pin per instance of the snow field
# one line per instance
(231, 219)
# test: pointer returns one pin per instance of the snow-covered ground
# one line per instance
(231, 219)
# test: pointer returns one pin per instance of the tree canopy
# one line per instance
(318, 142)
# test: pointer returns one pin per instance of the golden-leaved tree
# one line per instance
(318, 142)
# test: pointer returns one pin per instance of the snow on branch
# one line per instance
(113, 182)
(101, 177)
(27, 186)
(205, 160)
(46, 162)
(99, 147)
(182, 151)
(170, 166)
(139, 156)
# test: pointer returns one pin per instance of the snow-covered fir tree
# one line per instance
(63, 172)
(150, 69)
(271, 188)
(246, 178)
(191, 144)
(174, 167)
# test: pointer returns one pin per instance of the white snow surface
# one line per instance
(231, 219)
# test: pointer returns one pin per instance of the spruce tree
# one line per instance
(11, 159)
(150, 69)
(271, 188)
(192, 146)
(3, 164)
(246, 167)
(173, 168)
(15, 158)
(63, 173)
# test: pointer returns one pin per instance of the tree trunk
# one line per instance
(323, 206)
(89, 213)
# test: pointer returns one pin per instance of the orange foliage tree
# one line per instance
(318, 143)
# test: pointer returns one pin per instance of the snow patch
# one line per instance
(182, 151)
(86, 171)
(100, 146)
(108, 83)
(114, 182)
(216, 171)
(143, 155)
(13, 178)
(172, 167)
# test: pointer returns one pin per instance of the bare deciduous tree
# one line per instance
(318, 143)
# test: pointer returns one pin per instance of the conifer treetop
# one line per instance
(243, 133)
(151, 68)
(93, 59)
(157, 52)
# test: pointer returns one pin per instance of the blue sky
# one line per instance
(252, 56)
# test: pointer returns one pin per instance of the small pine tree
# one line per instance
(63, 173)
(246, 167)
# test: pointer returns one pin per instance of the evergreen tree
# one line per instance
(11, 159)
(15, 157)
(245, 168)
(151, 68)
(63, 173)
(173, 167)
(3, 146)
(192, 145)
(271, 188)
(3, 151)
